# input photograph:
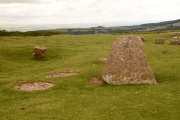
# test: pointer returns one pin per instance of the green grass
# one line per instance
(74, 97)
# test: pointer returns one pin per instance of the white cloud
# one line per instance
(87, 11)
(18, 1)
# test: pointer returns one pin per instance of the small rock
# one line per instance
(142, 39)
(175, 42)
(159, 41)
(22, 108)
(39, 52)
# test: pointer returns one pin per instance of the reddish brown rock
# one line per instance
(159, 41)
(126, 63)
(39, 52)
(175, 42)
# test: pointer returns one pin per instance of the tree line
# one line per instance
(29, 33)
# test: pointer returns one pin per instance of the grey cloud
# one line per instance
(18, 1)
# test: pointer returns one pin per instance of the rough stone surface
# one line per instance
(175, 42)
(159, 41)
(126, 63)
(39, 52)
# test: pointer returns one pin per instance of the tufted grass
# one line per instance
(74, 97)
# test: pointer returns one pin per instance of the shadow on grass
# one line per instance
(161, 78)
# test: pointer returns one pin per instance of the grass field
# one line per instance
(74, 97)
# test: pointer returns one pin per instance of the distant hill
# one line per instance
(166, 25)
(51, 29)
(162, 23)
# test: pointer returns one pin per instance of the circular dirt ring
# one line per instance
(60, 74)
(35, 86)
(96, 80)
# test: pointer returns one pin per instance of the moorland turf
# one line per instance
(74, 97)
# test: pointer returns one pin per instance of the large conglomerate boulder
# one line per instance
(126, 63)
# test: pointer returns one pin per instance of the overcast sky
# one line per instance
(87, 11)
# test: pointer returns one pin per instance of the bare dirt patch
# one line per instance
(35, 86)
(60, 74)
(96, 80)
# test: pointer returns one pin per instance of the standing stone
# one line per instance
(159, 41)
(175, 42)
(126, 63)
(39, 52)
